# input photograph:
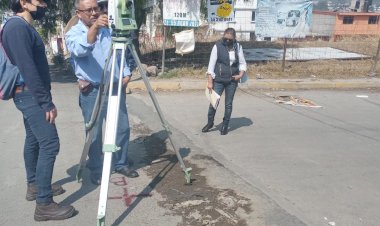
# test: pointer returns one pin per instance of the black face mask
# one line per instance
(228, 42)
(39, 14)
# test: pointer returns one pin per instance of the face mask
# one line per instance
(228, 42)
(39, 14)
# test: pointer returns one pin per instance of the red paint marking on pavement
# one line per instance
(128, 199)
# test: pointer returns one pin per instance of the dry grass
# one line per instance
(194, 65)
(322, 69)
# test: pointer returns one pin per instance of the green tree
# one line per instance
(140, 14)
(3, 4)
(58, 10)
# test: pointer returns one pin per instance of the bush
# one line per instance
(58, 59)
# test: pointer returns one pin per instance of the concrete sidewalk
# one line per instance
(199, 84)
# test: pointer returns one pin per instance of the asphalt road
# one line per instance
(296, 165)
(321, 165)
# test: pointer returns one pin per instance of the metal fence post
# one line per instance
(372, 72)
(283, 57)
(163, 52)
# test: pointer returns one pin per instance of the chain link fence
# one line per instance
(343, 56)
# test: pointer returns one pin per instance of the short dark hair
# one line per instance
(15, 6)
(231, 31)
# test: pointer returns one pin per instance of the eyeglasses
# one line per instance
(90, 11)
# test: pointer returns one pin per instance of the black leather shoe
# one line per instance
(207, 127)
(224, 130)
(52, 211)
(127, 172)
(31, 192)
(96, 178)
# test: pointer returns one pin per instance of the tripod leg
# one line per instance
(112, 118)
(90, 130)
(187, 171)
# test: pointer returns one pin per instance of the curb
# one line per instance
(179, 85)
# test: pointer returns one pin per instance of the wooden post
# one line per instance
(163, 52)
(372, 72)
(283, 57)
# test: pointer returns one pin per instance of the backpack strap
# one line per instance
(1, 34)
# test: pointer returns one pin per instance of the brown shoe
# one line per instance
(31, 192)
(52, 211)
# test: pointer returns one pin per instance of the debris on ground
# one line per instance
(296, 101)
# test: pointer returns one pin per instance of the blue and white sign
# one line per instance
(283, 18)
(183, 13)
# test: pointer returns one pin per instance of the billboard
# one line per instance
(183, 13)
(220, 11)
(283, 18)
(245, 4)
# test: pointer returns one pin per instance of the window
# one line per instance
(348, 19)
(373, 20)
(253, 18)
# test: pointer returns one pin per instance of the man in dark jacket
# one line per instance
(32, 97)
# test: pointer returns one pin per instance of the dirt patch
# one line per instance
(198, 203)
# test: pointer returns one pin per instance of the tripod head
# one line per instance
(120, 17)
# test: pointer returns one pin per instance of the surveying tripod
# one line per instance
(121, 42)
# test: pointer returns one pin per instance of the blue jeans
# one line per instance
(95, 155)
(230, 88)
(41, 145)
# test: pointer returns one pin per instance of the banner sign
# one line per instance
(245, 4)
(220, 11)
(183, 13)
(283, 18)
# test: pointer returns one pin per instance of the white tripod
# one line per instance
(109, 146)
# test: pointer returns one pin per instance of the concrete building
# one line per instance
(245, 20)
(360, 5)
(336, 24)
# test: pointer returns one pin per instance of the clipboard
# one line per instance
(212, 97)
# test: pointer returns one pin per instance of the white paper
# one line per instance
(213, 98)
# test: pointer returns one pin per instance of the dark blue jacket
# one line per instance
(26, 50)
